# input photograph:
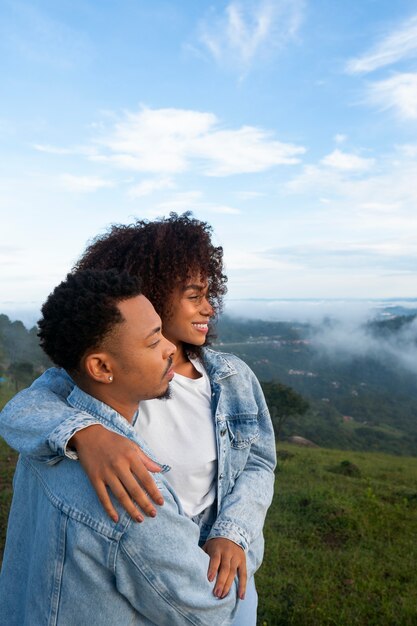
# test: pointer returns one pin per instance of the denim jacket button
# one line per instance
(223, 432)
(221, 476)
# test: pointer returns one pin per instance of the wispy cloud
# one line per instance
(366, 223)
(193, 201)
(59, 150)
(250, 28)
(166, 143)
(398, 45)
(173, 141)
(398, 93)
(347, 162)
(150, 186)
(385, 185)
(250, 195)
(47, 149)
(84, 184)
(389, 254)
(340, 138)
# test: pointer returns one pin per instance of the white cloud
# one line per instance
(84, 184)
(237, 259)
(58, 150)
(408, 150)
(245, 150)
(222, 208)
(149, 186)
(380, 201)
(250, 195)
(192, 201)
(250, 28)
(345, 256)
(347, 162)
(184, 200)
(398, 45)
(340, 138)
(399, 92)
(52, 149)
(172, 141)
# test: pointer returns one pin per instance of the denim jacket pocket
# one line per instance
(242, 431)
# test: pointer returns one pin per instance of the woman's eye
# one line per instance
(153, 345)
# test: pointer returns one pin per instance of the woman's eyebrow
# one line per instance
(195, 287)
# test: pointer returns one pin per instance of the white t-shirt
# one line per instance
(180, 431)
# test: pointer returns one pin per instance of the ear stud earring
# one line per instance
(110, 378)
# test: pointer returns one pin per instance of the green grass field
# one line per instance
(341, 544)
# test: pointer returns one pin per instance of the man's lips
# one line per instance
(170, 373)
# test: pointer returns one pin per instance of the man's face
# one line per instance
(141, 356)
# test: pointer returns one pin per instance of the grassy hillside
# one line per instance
(340, 541)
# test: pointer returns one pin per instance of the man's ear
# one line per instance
(98, 366)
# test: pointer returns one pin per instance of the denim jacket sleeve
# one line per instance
(250, 472)
(37, 421)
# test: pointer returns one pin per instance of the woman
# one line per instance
(215, 431)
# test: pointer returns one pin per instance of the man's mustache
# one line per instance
(168, 366)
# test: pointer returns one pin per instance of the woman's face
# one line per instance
(189, 313)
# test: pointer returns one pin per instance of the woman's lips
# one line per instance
(200, 327)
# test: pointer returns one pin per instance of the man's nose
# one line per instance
(169, 350)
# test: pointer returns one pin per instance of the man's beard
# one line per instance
(166, 395)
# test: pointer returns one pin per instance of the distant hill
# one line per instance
(21, 358)
(360, 384)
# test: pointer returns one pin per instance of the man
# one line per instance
(65, 562)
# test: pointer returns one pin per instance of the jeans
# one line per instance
(246, 613)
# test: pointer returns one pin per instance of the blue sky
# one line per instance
(290, 125)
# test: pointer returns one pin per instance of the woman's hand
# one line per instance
(114, 462)
(227, 560)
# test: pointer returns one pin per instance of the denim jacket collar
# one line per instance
(82, 401)
(218, 365)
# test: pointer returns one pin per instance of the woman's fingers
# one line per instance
(113, 462)
(227, 560)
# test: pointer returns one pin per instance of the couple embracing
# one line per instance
(147, 459)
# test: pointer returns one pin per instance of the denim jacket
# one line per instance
(67, 564)
(37, 422)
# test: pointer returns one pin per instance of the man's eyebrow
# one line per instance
(153, 332)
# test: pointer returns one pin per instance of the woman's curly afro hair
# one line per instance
(165, 253)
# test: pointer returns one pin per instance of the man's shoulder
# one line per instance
(67, 488)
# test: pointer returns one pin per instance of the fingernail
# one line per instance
(242, 596)
(159, 501)
(139, 518)
(115, 518)
(152, 513)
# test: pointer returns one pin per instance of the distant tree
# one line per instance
(22, 374)
(283, 403)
